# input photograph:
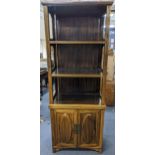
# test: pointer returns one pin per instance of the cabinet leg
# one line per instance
(99, 150)
(55, 150)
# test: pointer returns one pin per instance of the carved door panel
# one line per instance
(89, 121)
(64, 127)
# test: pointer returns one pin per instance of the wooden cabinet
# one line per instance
(77, 99)
(77, 129)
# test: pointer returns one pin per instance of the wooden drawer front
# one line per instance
(90, 128)
(64, 128)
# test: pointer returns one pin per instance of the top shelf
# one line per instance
(76, 3)
(78, 8)
(77, 42)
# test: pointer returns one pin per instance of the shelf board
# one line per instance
(77, 42)
(77, 99)
(80, 75)
(74, 3)
(77, 73)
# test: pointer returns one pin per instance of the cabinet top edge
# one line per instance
(75, 2)
(76, 106)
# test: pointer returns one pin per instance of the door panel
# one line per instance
(64, 124)
(90, 128)
(77, 128)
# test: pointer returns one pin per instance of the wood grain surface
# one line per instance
(79, 72)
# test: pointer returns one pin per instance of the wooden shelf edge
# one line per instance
(77, 75)
(68, 3)
(76, 42)
(77, 106)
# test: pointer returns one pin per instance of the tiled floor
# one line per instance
(45, 133)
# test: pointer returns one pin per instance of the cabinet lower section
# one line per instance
(77, 128)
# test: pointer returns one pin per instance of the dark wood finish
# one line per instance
(85, 10)
(82, 57)
(79, 86)
(79, 28)
(84, 61)
(77, 99)
(80, 53)
(101, 3)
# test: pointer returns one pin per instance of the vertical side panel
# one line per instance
(53, 127)
(48, 48)
(106, 54)
(101, 129)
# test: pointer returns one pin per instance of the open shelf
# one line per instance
(77, 75)
(77, 72)
(77, 42)
(77, 99)
(77, 45)
(77, 8)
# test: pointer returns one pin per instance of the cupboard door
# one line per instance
(90, 128)
(64, 128)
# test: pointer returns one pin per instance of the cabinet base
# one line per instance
(100, 150)
(79, 129)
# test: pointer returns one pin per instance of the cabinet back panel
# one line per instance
(78, 10)
(78, 85)
(79, 57)
(79, 28)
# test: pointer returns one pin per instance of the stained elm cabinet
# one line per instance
(77, 128)
(76, 39)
